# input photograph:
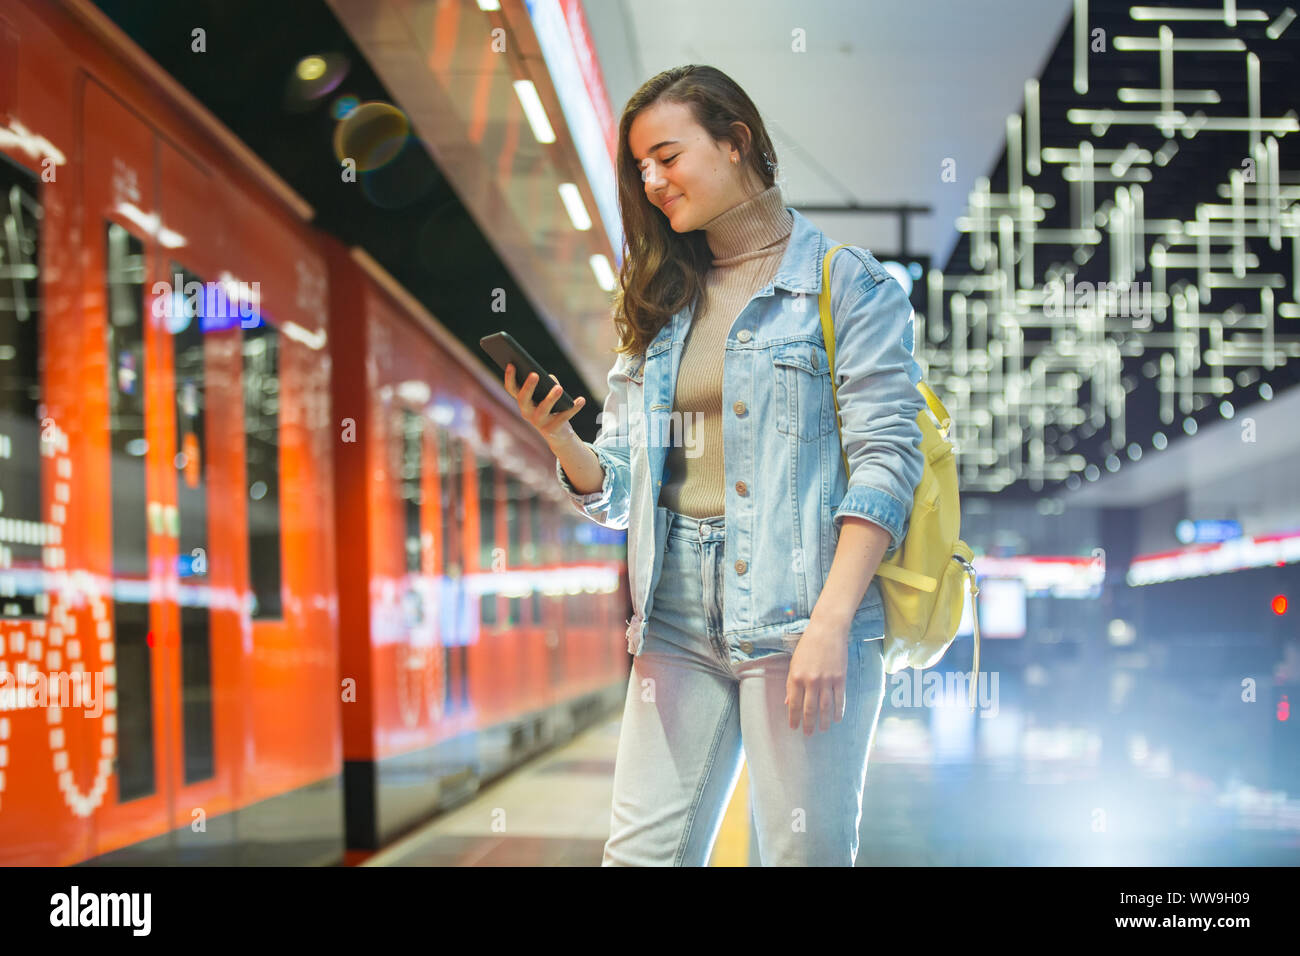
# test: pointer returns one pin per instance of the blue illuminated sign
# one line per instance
(1202, 532)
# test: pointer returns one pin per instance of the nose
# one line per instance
(651, 175)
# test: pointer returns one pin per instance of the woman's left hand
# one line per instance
(815, 686)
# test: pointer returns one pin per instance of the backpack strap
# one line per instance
(921, 582)
(828, 337)
(936, 408)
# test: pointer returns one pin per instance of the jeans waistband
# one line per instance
(699, 529)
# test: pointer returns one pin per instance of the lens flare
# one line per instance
(342, 106)
(371, 135)
(313, 78)
(311, 68)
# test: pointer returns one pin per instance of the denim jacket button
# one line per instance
(742, 488)
(747, 647)
(740, 567)
(743, 335)
(739, 408)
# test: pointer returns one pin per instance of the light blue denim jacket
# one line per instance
(785, 485)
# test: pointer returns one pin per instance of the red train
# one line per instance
(282, 571)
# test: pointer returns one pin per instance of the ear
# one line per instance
(744, 138)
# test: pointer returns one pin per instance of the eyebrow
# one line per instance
(656, 147)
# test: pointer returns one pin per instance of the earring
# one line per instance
(735, 159)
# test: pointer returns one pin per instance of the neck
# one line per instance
(749, 226)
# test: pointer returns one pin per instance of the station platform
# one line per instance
(944, 788)
(552, 811)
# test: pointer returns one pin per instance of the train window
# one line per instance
(544, 543)
(514, 538)
(454, 606)
(513, 504)
(453, 509)
(188, 323)
(262, 463)
(487, 534)
(534, 555)
(21, 425)
(124, 338)
(412, 434)
(548, 520)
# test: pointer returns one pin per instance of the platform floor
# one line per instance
(1033, 785)
(550, 811)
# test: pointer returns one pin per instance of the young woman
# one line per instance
(751, 554)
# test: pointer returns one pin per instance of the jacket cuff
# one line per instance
(878, 507)
(598, 501)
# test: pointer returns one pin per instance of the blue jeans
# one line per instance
(696, 707)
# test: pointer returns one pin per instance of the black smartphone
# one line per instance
(506, 351)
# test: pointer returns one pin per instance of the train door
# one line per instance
(125, 525)
(147, 380)
(198, 398)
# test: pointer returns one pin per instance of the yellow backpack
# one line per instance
(921, 582)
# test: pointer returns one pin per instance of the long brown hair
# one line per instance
(662, 270)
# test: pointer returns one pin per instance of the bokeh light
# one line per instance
(371, 135)
(311, 68)
(313, 78)
(344, 105)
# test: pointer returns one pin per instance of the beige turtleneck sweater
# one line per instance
(747, 242)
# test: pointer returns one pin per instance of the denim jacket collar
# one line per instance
(800, 271)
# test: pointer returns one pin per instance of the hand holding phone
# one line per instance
(546, 410)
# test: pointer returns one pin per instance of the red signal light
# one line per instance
(1279, 604)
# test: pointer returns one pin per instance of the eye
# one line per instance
(668, 162)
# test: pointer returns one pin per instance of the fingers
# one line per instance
(538, 414)
(522, 393)
(578, 402)
(814, 706)
(544, 409)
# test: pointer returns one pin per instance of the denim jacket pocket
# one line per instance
(804, 404)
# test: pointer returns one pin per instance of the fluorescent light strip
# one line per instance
(1128, 94)
(575, 207)
(1278, 26)
(1135, 44)
(1190, 13)
(604, 274)
(534, 111)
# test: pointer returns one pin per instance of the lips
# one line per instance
(670, 202)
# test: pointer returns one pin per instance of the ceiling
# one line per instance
(884, 93)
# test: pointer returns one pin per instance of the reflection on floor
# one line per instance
(945, 786)
(552, 811)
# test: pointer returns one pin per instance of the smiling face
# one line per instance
(688, 177)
